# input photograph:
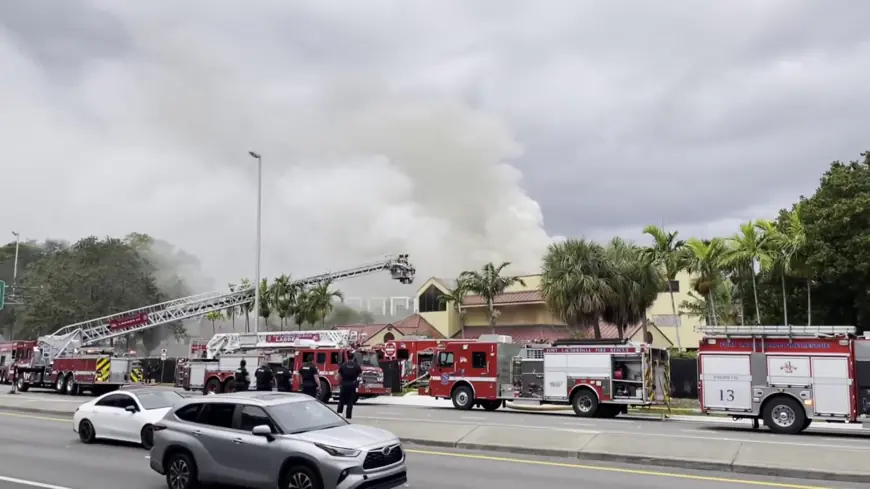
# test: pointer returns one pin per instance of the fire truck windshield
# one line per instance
(368, 358)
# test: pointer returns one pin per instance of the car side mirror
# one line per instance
(262, 430)
(130, 409)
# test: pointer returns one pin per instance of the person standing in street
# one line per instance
(310, 378)
(283, 377)
(243, 383)
(264, 376)
(349, 373)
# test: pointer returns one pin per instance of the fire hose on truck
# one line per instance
(71, 359)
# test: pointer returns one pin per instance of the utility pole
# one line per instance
(15, 262)
(259, 237)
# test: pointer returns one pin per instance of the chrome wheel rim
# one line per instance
(462, 398)
(70, 386)
(300, 480)
(584, 404)
(179, 474)
(783, 416)
(59, 384)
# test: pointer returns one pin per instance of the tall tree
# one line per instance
(777, 257)
(795, 239)
(265, 311)
(454, 299)
(248, 307)
(489, 283)
(636, 280)
(574, 283)
(321, 300)
(745, 250)
(232, 311)
(705, 261)
(214, 317)
(283, 295)
(667, 250)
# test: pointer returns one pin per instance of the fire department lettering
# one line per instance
(591, 349)
(127, 322)
(738, 345)
(291, 337)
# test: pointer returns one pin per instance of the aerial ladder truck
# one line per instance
(75, 358)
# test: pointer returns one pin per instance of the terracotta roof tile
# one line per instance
(368, 330)
(415, 324)
(545, 332)
(525, 297)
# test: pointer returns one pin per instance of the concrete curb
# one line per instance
(578, 455)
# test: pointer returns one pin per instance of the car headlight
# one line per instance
(337, 451)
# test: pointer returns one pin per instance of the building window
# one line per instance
(431, 300)
(674, 286)
(389, 337)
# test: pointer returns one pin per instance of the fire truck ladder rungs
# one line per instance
(775, 330)
(89, 332)
(232, 342)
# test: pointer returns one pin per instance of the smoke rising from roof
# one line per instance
(357, 164)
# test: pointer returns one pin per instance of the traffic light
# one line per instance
(2, 294)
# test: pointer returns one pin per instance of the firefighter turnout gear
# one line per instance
(349, 372)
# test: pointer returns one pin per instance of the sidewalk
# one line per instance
(784, 456)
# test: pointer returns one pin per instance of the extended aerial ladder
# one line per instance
(233, 342)
(69, 338)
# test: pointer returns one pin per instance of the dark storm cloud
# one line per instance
(396, 127)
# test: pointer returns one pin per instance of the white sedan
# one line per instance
(124, 415)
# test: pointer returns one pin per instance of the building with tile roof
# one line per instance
(413, 325)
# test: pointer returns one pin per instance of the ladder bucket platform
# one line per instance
(776, 330)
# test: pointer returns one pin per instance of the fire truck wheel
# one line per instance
(72, 388)
(585, 403)
(462, 397)
(491, 405)
(784, 415)
(609, 411)
(325, 392)
(21, 385)
(230, 385)
(86, 432)
(59, 385)
(213, 385)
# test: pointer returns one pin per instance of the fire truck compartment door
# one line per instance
(197, 375)
(118, 370)
(726, 381)
(831, 385)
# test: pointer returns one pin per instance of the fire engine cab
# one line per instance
(326, 349)
(786, 376)
(598, 378)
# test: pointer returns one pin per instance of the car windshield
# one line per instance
(158, 399)
(302, 416)
(369, 358)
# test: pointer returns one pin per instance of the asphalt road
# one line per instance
(819, 435)
(43, 452)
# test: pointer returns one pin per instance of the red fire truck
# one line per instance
(787, 376)
(596, 377)
(326, 349)
(9, 351)
(414, 356)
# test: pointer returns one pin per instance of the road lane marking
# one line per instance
(648, 473)
(36, 416)
(30, 483)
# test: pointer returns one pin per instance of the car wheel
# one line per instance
(147, 436)
(301, 477)
(181, 471)
(462, 398)
(86, 432)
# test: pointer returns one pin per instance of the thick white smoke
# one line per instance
(355, 164)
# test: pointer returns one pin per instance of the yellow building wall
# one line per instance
(514, 315)
(661, 312)
(446, 322)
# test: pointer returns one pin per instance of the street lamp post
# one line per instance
(15, 262)
(259, 238)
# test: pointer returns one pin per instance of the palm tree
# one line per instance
(302, 311)
(283, 295)
(488, 283)
(232, 311)
(321, 300)
(456, 297)
(214, 316)
(779, 251)
(574, 283)
(725, 313)
(265, 301)
(796, 239)
(705, 260)
(247, 307)
(746, 248)
(669, 253)
(636, 280)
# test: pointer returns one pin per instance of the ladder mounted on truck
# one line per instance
(65, 340)
(233, 342)
(781, 331)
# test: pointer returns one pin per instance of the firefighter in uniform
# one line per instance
(242, 381)
(349, 373)
(264, 376)
(283, 377)
(310, 378)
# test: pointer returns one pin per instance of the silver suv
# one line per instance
(272, 440)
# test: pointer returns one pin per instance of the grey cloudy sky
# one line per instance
(456, 131)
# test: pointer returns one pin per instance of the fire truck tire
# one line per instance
(86, 432)
(72, 388)
(324, 394)
(21, 385)
(784, 415)
(462, 397)
(609, 411)
(213, 385)
(229, 385)
(180, 469)
(490, 405)
(585, 403)
(59, 384)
